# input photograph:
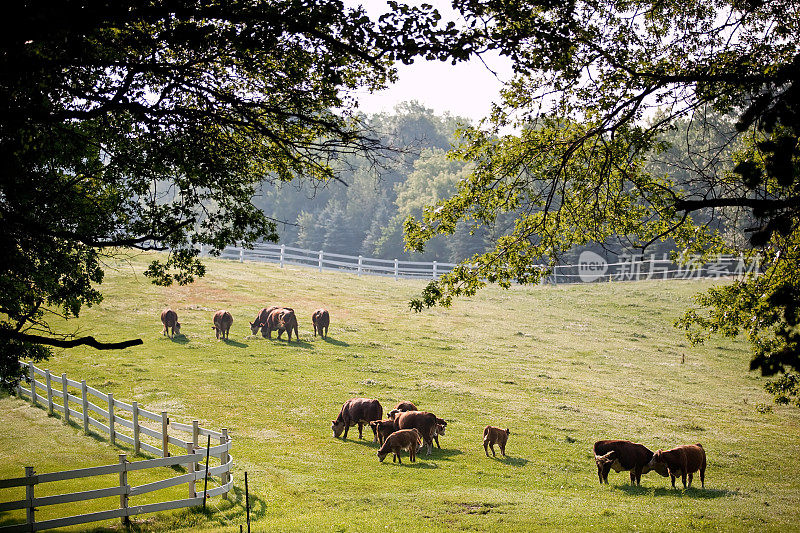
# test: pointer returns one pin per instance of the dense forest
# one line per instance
(362, 212)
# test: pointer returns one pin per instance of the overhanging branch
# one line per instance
(64, 343)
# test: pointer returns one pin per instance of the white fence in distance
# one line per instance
(591, 267)
(192, 455)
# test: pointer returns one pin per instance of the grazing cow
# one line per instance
(624, 455)
(321, 319)
(281, 319)
(382, 429)
(223, 321)
(423, 421)
(401, 407)
(357, 411)
(682, 461)
(441, 425)
(404, 439)
(170, 320)
(261, 319)
(492, 436)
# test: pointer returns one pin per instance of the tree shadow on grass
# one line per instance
(669, 492)
(235, 344)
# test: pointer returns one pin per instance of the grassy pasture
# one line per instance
(560, 366)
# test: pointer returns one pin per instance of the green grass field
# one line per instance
(560, 366)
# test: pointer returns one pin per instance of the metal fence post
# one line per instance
(360, 262)
(320, 260)
(123, 483)
(32, 373)
(65, 391)
(135, 416)
(29, 473)
(396, 269)
(283, 254)
(85, 400)
(111, 433)
(49, 392)
(164, 435)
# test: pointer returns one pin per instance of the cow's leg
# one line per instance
(430, 446)
(690, 479)
(486, 449)
(491, 446)
(672, 478)
(436, 438)
(360, 430)
(397, 454)
(346, 429)
(703, 477)
(599, 471)
(503, 450)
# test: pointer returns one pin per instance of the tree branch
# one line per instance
(63, 343)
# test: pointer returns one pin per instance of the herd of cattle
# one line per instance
(267, 320)
(407, 429)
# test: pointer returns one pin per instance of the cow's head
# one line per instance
(604, 462)
(382, 454)
(255, 326)
(337, 426)
(657, 463)
(177, 328)
(508, 432)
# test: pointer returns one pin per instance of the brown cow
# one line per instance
(493, 435)
(261, 319)
(281, 319)
(382, 429)
(357, 411)
(321, 319)
(624, 455)
(223, 321)
(170, 320)
(423, 421)
(681, 461)
(401, 407)
(404, 439)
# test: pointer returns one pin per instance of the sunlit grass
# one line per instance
(560, 366)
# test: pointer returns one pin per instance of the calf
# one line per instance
(404, 439)
(624, 455)
(382, 429)
(402, 407)
(261, 319)
(223, 321)
(422, 421)
(321, 319)
(682, 461)
(357, 411)
(281, 319)
(170, 320)
(492, 436)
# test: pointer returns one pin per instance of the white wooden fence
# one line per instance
(192, 454)
(591, 267)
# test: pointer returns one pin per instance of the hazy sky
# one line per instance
(465, 89)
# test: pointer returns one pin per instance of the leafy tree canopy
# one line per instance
(598, 85)
(150, 124)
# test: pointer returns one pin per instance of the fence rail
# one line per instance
(590, 268)
(191, 454)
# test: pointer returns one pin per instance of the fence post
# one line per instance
(123, 483)
(85, 400)
(164, 435)
(360, 262)
(241, 255)
(201, 250)
(49, 392)
(195, 433)
(65, 391)
(435, 273)
(223, 459)
(32, 373)
(111, 434)
(396, 270)
(29, 473)
(136, 444)
(192, 467)
(283, 253)
(320, 260)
